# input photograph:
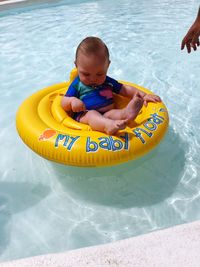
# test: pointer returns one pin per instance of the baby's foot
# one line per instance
(134, 107)
(112, 126)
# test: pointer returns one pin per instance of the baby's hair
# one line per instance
(92, 45)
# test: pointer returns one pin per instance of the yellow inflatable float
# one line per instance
(49, 131)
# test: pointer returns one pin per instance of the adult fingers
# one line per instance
(194, 47)
(183, 44)
(187, 39)
(188, 47)
(195, 40)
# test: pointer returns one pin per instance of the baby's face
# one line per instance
(92, 69)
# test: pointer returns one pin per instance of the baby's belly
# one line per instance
(107, 108)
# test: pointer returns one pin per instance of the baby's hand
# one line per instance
(151, 98)
(77, 105)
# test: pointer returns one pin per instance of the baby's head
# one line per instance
(92, 61)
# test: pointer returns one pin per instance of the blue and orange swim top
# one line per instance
(94, 97)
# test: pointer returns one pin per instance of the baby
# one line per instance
(90, 95)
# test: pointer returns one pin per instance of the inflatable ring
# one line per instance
(49, 131)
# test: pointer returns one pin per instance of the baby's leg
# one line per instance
(99, 123)
(128, 113)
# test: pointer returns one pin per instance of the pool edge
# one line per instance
(12, 4)
(175, 246)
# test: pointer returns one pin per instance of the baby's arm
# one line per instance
(131, 91)
(70, 103)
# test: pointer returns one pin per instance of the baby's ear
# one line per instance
(75, 63)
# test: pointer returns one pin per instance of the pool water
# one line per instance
(47, 207)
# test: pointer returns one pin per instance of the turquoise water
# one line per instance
(46, 207)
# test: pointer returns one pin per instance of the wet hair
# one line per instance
(92, 46)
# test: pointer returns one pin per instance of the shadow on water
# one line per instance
(143, 182)
(14, 198)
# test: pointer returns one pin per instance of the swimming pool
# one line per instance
(46, 207)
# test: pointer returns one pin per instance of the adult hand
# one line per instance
(191, 39)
